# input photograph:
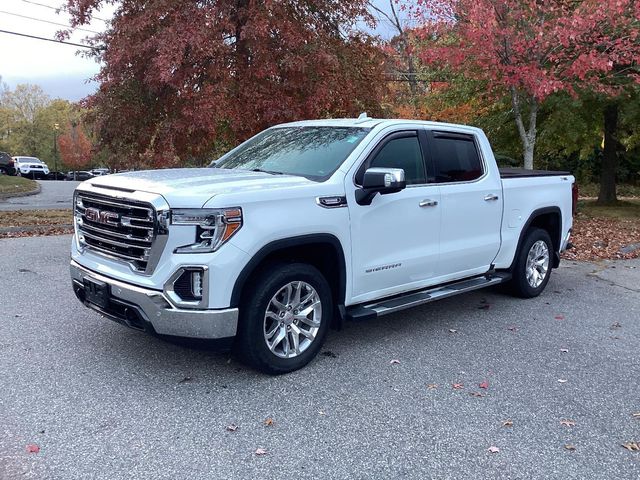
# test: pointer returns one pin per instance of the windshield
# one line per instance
(312, 152)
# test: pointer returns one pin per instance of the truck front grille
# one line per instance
(118, 228)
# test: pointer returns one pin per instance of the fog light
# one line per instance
(188, 287)
(196, 283)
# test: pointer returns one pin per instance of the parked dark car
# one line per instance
(56, 176)
(7, 165)
(79, 175)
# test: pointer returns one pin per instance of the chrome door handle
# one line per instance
(491, 196)
(428, 203)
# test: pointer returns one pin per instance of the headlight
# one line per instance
(213, 227)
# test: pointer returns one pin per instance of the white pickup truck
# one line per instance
(312, 223)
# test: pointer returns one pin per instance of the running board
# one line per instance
(412, 299)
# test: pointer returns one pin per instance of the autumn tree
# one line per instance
(179, 77)
(529, 49)
(28, 118)
(75, 146)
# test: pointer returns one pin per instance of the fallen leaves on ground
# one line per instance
(602, 238)
(567, 423)
(632, 446)
(232, 428)
(268, 422)
(39, 222)
(507, 423)
(458, 386)
(40, 232)
(260, 451)
(33, 448)
(493, 449)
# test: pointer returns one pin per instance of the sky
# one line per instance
(59, 69)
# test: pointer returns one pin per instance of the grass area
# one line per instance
(623, 209)
(24, 218)
(9, 184)
(591, 190)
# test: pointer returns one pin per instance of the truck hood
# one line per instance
(193, 187)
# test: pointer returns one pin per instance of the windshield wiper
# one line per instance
(272, 172)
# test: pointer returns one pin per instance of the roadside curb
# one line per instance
(37, 190)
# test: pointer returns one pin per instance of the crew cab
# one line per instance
(312, 223)
(31, 167)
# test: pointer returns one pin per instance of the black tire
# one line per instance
(251, 345)
(519, 284)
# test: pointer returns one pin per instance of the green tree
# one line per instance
(28, 118)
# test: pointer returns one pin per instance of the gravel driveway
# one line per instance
(104, 402)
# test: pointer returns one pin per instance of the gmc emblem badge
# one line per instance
(100, 216)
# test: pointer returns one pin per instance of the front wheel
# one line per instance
(533, 264)
(285, 318)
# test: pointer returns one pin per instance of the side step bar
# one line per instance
(412, 299)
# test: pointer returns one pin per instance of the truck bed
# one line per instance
(524, 173)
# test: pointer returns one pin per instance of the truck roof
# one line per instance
(367, 122)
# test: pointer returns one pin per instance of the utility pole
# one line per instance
(56, 126)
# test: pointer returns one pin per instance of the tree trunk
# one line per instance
(607, 193)
(528, 133)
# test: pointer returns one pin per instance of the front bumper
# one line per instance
(141, 308)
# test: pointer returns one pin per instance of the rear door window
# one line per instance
(455, 157)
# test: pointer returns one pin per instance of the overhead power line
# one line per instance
(50, 40)
(58, 9)
(49, 21)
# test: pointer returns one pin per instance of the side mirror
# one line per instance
(382, 181)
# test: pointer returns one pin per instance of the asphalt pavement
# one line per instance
(562, 377)
(54, 194)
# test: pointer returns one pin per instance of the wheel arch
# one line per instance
(546, 218)
(322, 250)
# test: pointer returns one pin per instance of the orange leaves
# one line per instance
(75, 147)
(600, 238)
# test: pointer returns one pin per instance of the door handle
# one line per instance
(491, 196)
(427, 202)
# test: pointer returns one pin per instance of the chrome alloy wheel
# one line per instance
(537, 263)
(292, 319)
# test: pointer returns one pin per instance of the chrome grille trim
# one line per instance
(136, 236)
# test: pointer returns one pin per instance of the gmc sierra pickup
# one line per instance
(312, 223)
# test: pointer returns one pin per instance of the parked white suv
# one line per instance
(313, 223)
(30, 167)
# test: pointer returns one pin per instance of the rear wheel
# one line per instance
(285, 318)
(533, 264)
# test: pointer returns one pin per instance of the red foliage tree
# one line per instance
(75, 147)
(532, 48)
(179, 76)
